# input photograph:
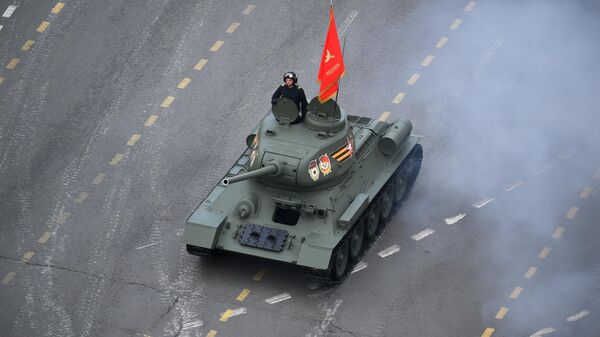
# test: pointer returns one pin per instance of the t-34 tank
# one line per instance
(315, 193)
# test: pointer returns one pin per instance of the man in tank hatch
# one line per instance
(292, 91)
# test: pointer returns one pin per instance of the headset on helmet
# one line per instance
(292, 75)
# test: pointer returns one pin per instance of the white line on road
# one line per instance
(513, 186)
(359, 266)
(483, 202)
(278, 298)
(454, 219)
(538, 172)
(9, 11)
(344, 26)
(542, 332)
(238, 311)
(148, 245)
(389, 251)
(578, 316)
(423, 234)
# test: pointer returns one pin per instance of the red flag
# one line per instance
(332, 63)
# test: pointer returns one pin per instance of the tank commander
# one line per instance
(292, 91)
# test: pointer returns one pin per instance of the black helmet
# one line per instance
(292, 75)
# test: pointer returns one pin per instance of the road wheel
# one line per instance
(356, 239)
(340, 259)
(372, 221)
(387, 202)
(400, 185)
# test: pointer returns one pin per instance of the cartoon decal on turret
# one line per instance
(325, 164)
(313, 170)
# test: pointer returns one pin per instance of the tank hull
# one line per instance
(296, 226)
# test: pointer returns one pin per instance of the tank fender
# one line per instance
(354, 210)
(315, 251)
(395, 136)
(203, 227)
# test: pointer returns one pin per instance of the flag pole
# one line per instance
(339, 79)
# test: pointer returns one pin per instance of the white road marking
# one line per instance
(423, 234)
(9, 11)
(513, 186)
(344, 26)
(191, 325)
(538, 172)
(578, 316)
(248, 9)
(1, 27)
(483, 202)
(542, 332)
(454, 219)
(148, 245)
(238, 311)
(359, 266)
(389, 251)
(278, 298)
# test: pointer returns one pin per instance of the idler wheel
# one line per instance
(356, 239)
(387, 202)
(372, 221)
(340, 259)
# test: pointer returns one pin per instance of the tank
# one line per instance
(315, 193)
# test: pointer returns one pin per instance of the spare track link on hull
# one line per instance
(412, 165)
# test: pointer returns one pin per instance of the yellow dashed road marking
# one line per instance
(200, 64)
(515, 293)
(233, 27)
(1, 79)
(133, 139)
(225, 316)
(469, 7)
(167, 101)
(572, 212)
(487, 332)
(427, 61)
(384, 116)
(27, 45)
(150, 120)
(242, 296)
(501, 313)
(116, 159)
(13, 63)
(44, 238)
(98, 178)
(455, 24)
(259, 275)
(413, 79)
(42, 27)
(597, 174)
(184, 83)
(558, 233)
(27, 257)
(216, 46)
(57, 8)
(8, 277)
(211, 333)
(81, 197)
(399, 98)
(585, 193)
(544, 252)
(248, 9)
(441, 42)
(62, 218)
(530, 272)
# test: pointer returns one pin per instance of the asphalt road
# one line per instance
(120, 116)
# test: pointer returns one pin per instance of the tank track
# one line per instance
(199, 251)
(411, 165)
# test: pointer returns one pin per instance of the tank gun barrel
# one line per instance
(271, 169)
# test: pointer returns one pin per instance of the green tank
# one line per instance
(315, 193)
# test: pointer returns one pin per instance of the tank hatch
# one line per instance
(324, 117)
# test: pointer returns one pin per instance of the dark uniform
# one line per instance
(296, 94)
